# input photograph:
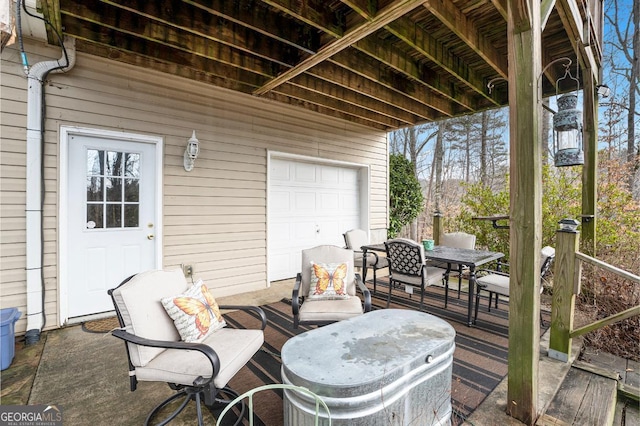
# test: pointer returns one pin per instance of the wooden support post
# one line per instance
(525, 111)
(590, 168)
(565, 283)
(437, 227)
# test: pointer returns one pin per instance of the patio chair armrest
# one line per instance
(295, 296)
(207, 351)
(365, 292)
(374, 254)
(256, 309)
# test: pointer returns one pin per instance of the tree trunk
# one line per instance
(632, 157)
(483, 148)
(439, 156)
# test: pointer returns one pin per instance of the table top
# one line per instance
(468, 257)
(365, 351)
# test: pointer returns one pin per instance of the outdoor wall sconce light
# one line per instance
(191, 152)
(567, 127)
(603, 90)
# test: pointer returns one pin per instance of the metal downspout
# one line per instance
(36, 77)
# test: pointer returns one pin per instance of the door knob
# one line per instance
(150, 237)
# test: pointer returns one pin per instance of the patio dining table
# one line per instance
(452, 256)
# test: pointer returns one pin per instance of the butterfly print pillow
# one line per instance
(328, 281)
(195, 313)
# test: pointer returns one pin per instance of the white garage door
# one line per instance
(309, 204)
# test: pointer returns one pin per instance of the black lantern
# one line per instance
(567, 129)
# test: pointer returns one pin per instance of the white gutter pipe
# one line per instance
(36, 77)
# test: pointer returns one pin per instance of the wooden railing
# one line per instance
(566, 286)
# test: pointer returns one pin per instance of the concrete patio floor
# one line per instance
(83, 373)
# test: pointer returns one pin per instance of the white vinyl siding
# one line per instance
(215, 216)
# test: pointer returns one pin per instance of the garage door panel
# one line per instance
(349, 203)
(304, 201)
(304, 231)
(283, 233)
(349, 176)
(329, 175)
(305, 172)
(280, 201)
(330, 202)
(279, 171)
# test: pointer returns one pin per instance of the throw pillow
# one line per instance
(195, 313)
(328, 281)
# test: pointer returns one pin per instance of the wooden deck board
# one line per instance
(583, 399)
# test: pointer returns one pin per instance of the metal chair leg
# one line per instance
(374, 280)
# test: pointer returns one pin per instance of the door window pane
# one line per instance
(114, 216)
(132, 165)
(112, 189)
(131, 190)
(130, 215)
(94, 188)
(95, 162)
(94, 216)
(114, 163)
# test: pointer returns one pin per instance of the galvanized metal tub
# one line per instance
(386, 367)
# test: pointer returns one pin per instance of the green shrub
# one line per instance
(405, 194)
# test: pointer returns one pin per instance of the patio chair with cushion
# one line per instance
(325, 289)
(356, 238)
(408, 265)
(456, 240)
(174, 333)
(497, 282)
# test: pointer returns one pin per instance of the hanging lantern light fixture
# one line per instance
(567, 127)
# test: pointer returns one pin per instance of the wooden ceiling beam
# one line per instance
(185, 31)
(284, 99)
(427, 45)
(173, 35)
(415, 37)
(51, 12)
(501, 7)
(312, 13)
(270, 25)
(189, 68)
(403, 63)
(222, 66)
(457, 22)
(334, 73)
(364, 8)
(546, 7)
(390, 13)
(573, 25)
(350, 60)
(81, 25)
(350, 96)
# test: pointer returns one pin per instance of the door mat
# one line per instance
(101, 326)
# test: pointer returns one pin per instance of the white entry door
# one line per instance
(111, 229)
(309, 204)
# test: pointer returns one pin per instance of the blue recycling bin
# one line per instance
(8, 318)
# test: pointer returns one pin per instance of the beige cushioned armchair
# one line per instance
(197, 371)
(311, 311)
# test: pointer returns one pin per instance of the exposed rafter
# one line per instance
(466, 29)
(392, 12)
(384, 64)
